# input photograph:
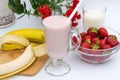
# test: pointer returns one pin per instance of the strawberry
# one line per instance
(102, 32)
(85, 45)
(87, 38)
(102, 42)
(83, 34)
(106, 46)
(92, 31)
(112, 40)
(74, 39)
(95, 40)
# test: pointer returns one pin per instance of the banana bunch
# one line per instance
(19, 39)
(32, 34)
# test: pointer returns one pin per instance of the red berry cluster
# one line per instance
(44, 11)
(98, 39)
(70, 10)
(75, 2)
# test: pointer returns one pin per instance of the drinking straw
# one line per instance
(74, 11)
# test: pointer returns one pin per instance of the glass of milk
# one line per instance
(58, 38)
(93, 16)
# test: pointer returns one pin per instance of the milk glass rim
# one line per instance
(85, 9)
(70, 22)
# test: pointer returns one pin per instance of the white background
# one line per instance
(80, 69)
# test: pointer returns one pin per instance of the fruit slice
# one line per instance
(32, 34)
(12, 41)
(18, 63)
(39, 50)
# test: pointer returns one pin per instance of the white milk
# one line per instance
(93, 19)
(56, 36)
(93, 15)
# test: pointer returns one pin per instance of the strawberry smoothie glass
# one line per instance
(58, 39)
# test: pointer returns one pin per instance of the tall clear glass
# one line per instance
(58, 34)
(93, 16)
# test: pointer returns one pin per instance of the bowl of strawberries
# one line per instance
(98, 45)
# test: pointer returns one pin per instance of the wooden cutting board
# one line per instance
(35, 67)
(6, 56)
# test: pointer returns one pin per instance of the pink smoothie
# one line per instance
(56, 35)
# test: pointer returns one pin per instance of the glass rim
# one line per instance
(87, 8)
(70, 22)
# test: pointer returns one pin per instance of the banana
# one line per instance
(13, 39)
(19, 39)
(11, 46)
(18, 63)
(32, 34)
(39, 50)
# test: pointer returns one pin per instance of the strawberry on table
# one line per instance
(92, 31)
(102, 32)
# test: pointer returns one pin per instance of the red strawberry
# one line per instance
(92, 31)
(95, 40)
(87, 38)
(112, 40)
(102, 42)
(103, 32)
(106, 46)
(85, 45)
(74, 39)
(83, 34)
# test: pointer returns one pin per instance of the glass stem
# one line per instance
(56, 60)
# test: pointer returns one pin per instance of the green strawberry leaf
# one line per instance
(94, 29)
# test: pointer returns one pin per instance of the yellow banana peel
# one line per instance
(32, 34)
(10, 42)
(11, 46)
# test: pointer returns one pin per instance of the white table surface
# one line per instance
(80, 70)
